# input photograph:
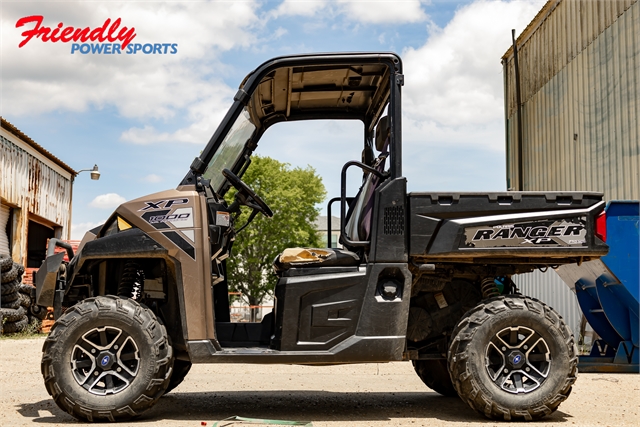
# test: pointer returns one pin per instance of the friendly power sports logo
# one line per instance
(111, 38)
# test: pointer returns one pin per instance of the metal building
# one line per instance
(579, 75)
(35, 197)
(579, 66)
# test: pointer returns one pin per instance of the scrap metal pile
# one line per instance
(18, 309)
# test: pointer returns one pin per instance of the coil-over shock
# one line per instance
(132, 281)
(489, 288)
(495, 286)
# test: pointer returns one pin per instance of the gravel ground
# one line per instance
(333, 396)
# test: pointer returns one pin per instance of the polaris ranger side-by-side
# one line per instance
(423, 277)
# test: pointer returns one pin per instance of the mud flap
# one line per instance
(47, 278)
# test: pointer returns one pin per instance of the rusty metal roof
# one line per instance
(540, 17)
(18, 133)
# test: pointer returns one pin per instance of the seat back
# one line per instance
(360, 215)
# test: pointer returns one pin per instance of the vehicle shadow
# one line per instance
(307, 405)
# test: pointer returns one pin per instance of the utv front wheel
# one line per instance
(180, 370)
(107, 358)
(513, 358)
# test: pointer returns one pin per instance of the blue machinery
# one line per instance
(608, 293)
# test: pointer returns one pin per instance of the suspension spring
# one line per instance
(489, 288)
(131, 282)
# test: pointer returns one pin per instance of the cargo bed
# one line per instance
(522, 225)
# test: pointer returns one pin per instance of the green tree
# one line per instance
(292, 194)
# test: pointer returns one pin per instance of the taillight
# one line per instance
(601, 226)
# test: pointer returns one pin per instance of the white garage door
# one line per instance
(4, 239)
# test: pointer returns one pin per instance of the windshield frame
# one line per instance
(230, 150)
(250, 84)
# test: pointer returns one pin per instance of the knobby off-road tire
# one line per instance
(15, 296)
(107, 358)
(13, 327)
(180, 370)
(435, 374)
(25, 289)
(12, 274)
(25, 300)
(513, 358)
(9, 287)
(10, 301)
(12, 315)
(5, 263)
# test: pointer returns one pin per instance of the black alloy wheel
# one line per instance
(518, 360)
(105, 360)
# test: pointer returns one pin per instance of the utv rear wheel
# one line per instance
(107, 358)
(513, 358)
(435, 375)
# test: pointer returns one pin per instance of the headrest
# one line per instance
(382, 132)
(367, 155)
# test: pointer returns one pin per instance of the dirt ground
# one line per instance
(333, 396)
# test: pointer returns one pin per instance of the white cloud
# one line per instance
(364, 11)
(152, 178)
(154, 89)
(298, 8)
(387, 12)
(107, 201)
(78, 230)
(145, 135)
(44, 76)
(454, 86)
(203, 117)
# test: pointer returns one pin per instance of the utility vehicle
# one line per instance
(424, 277)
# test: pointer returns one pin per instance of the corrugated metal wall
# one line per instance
(28, 183)
(580, 79)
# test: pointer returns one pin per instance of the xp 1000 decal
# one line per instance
(176, 223)
(550, 233)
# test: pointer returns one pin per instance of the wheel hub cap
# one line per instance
(105, 360)
(518, 360)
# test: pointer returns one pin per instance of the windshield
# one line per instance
(229, 150)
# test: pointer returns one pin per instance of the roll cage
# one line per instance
(313, 87)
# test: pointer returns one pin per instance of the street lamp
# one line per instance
(95, 173)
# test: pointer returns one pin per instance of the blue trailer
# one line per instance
(608, 293)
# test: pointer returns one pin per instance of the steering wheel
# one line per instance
(255, 201)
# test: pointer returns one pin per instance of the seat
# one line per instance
(314, 257)
(359, 219)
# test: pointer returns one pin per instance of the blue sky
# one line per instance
(143, 118)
